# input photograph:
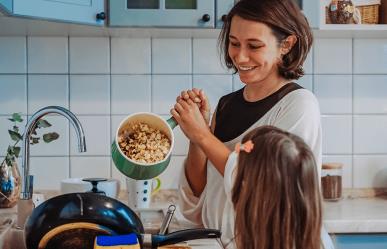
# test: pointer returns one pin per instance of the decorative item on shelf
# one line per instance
(331, 181)
(342, 12)
(365, 12)
(10, 179)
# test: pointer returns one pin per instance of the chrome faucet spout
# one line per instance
(26, 183)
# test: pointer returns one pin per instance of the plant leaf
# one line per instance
(43, 123)
(16, 151)
(14, 135)
(34, 140)
(15, 128)
(49, 137)
(17, 117)
(10, 150)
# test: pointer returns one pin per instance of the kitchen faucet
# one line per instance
(25, 204)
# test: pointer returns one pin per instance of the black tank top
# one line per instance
(234, 115)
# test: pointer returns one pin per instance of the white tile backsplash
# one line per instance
(370, 94)
(89, 55)
(47, 55)
(332, 56)
(370, 56)
(130, 93)
(102, 80)
(334, 93)
(45, 90)
(97, 133)
(165, 89)
(13, 54)
(206, 59)
(130, 56)
(90, 94)
(13, 94)
(171, 56)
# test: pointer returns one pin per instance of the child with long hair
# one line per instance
(275, 193)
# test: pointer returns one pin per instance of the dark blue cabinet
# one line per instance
(162, 13)
(360, 241)
(6, 5)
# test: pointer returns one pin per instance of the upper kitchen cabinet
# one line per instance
(222, 8)
(6, 5)
(162, 13)
(77, 11)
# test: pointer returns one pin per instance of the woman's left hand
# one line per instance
(190, 119)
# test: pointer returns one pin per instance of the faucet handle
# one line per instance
(94, 182)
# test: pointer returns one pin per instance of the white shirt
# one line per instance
(298, 112)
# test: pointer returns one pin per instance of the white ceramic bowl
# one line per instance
(111, 187)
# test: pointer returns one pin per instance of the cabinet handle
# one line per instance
(101, 16)
(224, 18)
(206, 18)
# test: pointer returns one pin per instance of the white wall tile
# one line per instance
(115, 122)
(165, 89)
(131, 93)
(214, 86)
(170, 177)
(48, 172)
(370, 94)
(337, 134)
(347, 167)
(97, 134)
(370, 171)
(130, 56)
(5, 139)
(89, 55)
(334, 93)
(13, 55)
(13, 96)
(308, 63)
(332, 56)
(171, 56)
(46, 90)
(47, 54)
(90, 94)
(370, 56)
(236, 82)
(86, 167)
(59, 147)
(369, 134)
(206, 59)
(306, 82)
(116, 174)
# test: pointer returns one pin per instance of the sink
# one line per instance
(10, 236)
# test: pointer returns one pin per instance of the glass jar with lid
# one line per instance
(331, 181)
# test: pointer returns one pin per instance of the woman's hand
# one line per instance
(190, 119)
(199, 97)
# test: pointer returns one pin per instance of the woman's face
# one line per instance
(254, 50)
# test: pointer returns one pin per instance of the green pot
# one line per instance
(137, 170)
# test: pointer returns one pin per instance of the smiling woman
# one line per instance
(266, 43)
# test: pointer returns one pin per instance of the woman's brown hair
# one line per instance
(285, 18)
(276, 194)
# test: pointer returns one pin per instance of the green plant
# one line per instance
(13, 151)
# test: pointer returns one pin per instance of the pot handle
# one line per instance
(183, 235)
(172, 122)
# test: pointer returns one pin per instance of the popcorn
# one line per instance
(144, 144)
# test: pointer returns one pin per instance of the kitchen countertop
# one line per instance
(357, 215)
(349, 215)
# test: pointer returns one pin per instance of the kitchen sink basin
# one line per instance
(10, 236)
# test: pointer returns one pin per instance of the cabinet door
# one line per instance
(360, 241)
(162, 13)
(78, 11)
(222, 8)
(6, 5)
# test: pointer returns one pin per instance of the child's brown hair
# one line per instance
(276, 194)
